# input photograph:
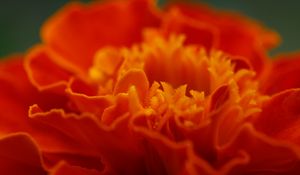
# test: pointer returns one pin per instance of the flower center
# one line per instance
(172, 69)
(164, 60)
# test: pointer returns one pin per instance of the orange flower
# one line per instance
(123, 87)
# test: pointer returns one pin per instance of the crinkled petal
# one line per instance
(237, 35)
(88, 137)
(51, 160)
(64, 168)
(19, 155)
(85, 97)
(136, 78)
(43, 72)
(196, 32)
(265, 154)
(50, 138)
(17, 94)
(280, 116)
(76, 32)
(281, 74)
(167, 157)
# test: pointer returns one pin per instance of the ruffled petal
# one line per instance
(167, 157)
(237, 35)
(280, 116)
(85, 98)
(17, 94)
(83, 135)
(64, 168)
(281, 74)
(76, 32)
(43, 73)
(89, 162)
(263, 154)
(13, 100)
(19, 155)
(196, 32)
(136, 78)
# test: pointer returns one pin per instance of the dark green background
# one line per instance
(20, 20)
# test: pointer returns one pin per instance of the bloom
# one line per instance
(123, 87)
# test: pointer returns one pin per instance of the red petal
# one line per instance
(19, 155)
(240, 63)
(78, 31)
(280, 116)
(136, 78)
(237, 35)
(118, 109)
(86, 99)
(283, 74)
(219, 97)
(196, 32)
(83, 135)
(264, 154)
(167, 157)
(88, 162)
(43, 72)
(49, 137)
(64, 168)
(17, 94)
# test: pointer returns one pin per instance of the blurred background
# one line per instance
(20, 20)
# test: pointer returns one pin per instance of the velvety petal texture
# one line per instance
(281, 74)
(20, 155)
(75, 33)
(127, 87)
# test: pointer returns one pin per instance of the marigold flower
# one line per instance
(124, 87)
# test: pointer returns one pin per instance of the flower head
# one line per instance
(123, 87)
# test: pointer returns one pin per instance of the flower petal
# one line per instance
(83, 135)
(266, 155)
(135, 78)
(167, 157)
(43, 72)
(282, 74)
(280, 116)
(17, 94)
(19, 155)
(237, 35)
(86, 99)
(219, 97)
(64, 168)
(52, 160)
(78, 31)
(196, 32)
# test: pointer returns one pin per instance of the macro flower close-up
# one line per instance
(130, 87)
